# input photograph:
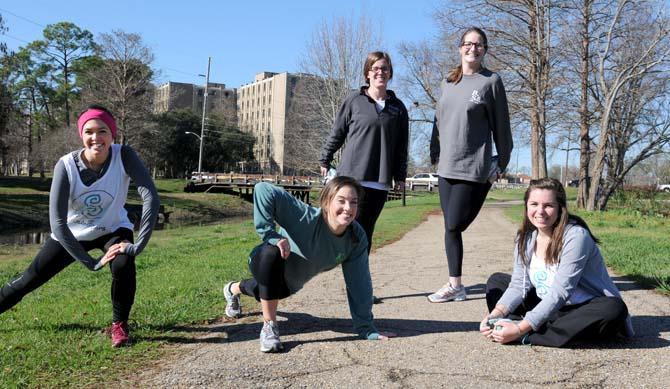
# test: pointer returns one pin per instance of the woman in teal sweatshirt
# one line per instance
(311, 240)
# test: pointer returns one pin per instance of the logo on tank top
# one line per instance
(91, 206)
(475, 98)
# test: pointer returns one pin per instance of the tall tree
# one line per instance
(632, 79)
(64, 43)
(121, 80)
(334, 57)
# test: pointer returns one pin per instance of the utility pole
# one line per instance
(204, 114)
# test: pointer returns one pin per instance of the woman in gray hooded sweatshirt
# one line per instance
(559, 286)
(470, 117)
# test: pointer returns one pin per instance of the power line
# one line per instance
(15, 38)
(23, 18)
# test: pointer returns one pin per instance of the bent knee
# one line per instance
(614, 308)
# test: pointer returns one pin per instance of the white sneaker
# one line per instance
(448, 293)
(269, 338)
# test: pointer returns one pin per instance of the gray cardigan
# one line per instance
(376, 143)
(580, 264)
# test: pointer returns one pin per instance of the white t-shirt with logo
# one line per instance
(542, 277)
(98, 209)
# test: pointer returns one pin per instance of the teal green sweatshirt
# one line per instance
(314, 249)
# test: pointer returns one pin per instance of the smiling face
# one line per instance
(379, 74)
(341, 210)
(472, 50)
(97, 139)
(543, 210)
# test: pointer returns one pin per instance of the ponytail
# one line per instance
(455, 75)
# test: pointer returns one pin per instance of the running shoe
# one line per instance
(120, 334)
(270, 342)
(448, 293)
(233, 306)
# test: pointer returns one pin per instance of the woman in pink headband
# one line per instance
(86, 211)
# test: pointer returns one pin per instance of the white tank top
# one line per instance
(97, 210)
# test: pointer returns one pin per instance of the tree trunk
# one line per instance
(584, 136)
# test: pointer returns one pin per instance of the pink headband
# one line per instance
(94, 113)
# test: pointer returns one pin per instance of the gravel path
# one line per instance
(438, 345)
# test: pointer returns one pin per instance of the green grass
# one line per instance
(24, 203)
(53, 338)
(633, 245)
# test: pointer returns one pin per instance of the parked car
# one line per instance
(429, 180)
(575, 183)
(195, 177)
(663, 188)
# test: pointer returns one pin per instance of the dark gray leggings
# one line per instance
(461, 201)
(53, 258)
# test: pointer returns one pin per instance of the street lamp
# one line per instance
(204, 112)
(193, 133)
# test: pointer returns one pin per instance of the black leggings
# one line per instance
(369, 209)
(52, 258)
(461, 201)
(267, 267)
(597, 320)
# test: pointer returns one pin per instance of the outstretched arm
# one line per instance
(150, 201)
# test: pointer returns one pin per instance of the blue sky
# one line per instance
(242, 37)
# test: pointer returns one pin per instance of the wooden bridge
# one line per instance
(242, 185)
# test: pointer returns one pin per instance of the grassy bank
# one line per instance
(53, 337)
(24, 203)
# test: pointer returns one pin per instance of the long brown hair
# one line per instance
(456, 74)
(555, 246)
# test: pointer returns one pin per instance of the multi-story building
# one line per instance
(263, 109)
(179, 95)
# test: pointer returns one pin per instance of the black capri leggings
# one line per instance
(267, 267)
(461, 201)
(52, 258)
(597, 320)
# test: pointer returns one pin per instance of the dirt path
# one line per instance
(438, 344)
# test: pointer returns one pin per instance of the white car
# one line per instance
(429, 180)
(663, 188)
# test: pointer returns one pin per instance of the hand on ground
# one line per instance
(385, 335)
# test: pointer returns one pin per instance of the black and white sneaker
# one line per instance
(233, 306)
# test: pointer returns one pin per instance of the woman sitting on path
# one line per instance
(311, 240)
(86, 211)
(559, 285)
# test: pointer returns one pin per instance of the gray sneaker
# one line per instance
(233, 306)
(270, 342)
(448, 293)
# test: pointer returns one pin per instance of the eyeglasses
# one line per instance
(382, 69)
(476, 45)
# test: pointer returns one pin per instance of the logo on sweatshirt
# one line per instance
(476, 98)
